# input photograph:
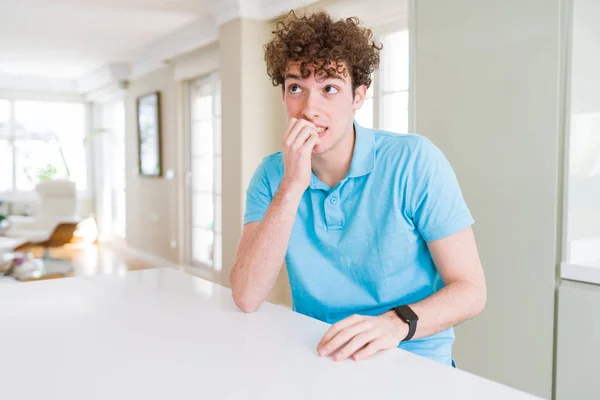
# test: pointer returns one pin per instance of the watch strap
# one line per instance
(407, 315)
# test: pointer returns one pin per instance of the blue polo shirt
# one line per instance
(361, 247)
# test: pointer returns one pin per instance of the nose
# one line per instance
(312, 106)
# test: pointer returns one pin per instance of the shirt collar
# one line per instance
(363, 158)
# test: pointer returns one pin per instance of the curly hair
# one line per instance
(320, 43)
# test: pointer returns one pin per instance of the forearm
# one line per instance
(361, 336)
(450, 306)
(259, 261)
(463, 296)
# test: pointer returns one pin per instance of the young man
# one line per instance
(372, 225)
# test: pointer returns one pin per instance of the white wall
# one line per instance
(253, 124)
(488, 93)
(152, 202)
(578, 349)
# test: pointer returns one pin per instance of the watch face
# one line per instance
(407, 313)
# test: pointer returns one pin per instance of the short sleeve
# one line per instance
(436, 201)
(258, 196)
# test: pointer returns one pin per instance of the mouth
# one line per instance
(321, 130)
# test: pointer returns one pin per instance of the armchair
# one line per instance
(56, 203)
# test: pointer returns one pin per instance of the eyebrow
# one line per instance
(299, 78)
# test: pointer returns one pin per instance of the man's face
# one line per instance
(325, 101)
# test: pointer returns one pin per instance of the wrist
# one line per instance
(291, 189)
(400, 327)
(408, 316)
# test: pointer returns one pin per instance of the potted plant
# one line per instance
(4, 223)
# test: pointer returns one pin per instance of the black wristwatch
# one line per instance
(407, 315)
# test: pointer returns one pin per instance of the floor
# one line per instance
(92, 259)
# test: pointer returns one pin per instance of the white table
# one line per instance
(163, 334)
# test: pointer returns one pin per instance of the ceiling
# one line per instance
(63, 43)
(68, 39)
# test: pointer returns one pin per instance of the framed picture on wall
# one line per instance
(149, 134)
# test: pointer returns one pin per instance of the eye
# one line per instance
(331, 89)
(294, 89)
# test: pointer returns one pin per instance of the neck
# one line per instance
(333, 165)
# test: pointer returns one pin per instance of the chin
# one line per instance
(320, 149)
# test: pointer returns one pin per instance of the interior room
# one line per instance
(131, 130)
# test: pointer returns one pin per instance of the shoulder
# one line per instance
(270, 169)
(410, 141)
(272, 160)
(403, 148)
(272, 164)
(267, 175)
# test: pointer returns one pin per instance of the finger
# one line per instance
(357, 343)
(310, 144)
(300, 124)
(318, 140)
(338, 326)
(294, 130)
(288, 130)
(302, 137)
(343, 337)
(369, 350)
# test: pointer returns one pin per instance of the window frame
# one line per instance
(379, 77)
(214, 78)
(570, 270)
(101, 175)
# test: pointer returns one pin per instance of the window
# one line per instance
(118, 170)
(109, 124)
(581, 237)
(205, 171)
(583, 225)
(6, 154)
(386, 106)
(41, 140)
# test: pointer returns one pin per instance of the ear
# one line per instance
(360, 94)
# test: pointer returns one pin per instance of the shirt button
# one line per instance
(334, 200)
